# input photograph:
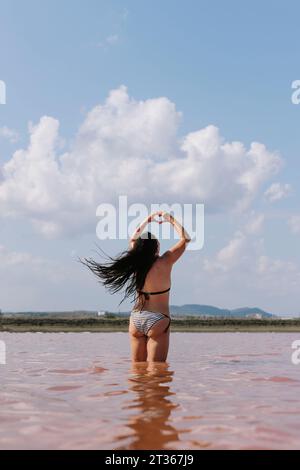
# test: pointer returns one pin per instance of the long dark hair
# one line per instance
(128, 269)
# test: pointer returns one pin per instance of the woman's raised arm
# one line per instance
(174, 253)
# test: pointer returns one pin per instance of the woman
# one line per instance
(146, 276)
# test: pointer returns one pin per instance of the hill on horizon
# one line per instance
(180, 310)
(210, 310)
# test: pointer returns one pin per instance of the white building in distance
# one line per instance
(101, 313)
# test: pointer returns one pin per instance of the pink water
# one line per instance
(217, 391)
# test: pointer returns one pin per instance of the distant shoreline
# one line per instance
(191, 324)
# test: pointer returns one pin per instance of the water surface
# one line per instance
(216, 391)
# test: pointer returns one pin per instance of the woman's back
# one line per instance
(158, 279)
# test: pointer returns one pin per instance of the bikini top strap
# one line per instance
(154, 293)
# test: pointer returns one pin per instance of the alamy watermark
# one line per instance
(2, 92)
(295, 358)
(2, 353)
(115, 224)
(296, 94)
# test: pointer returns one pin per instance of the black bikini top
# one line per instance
(154, 293)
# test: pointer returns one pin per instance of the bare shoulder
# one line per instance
(166, 258)
(175, 252)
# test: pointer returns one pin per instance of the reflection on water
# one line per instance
(150, 384)
(217, 391)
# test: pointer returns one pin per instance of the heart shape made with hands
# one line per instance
(160, 219)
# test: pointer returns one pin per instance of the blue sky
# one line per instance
(220, 64)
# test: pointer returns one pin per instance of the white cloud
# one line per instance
(243, 263)
(128, 147)
(18, 262)
(276, 276)
(255, 223)
(110, 40)
(11, 258)
(10, 134)
(233, 256)
(35, 282)
(277, 191)
(294, 224)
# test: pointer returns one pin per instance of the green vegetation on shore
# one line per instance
(115, 323)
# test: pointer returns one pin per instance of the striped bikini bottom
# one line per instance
(143, 320)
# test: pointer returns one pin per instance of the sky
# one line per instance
(164, 102)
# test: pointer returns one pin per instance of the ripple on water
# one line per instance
(67, 371)
(64, 388)
(216, 391)
(278, 379)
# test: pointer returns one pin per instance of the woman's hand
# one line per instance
(163, 216)
(152, 217)
(167, 217)
(160, 217)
